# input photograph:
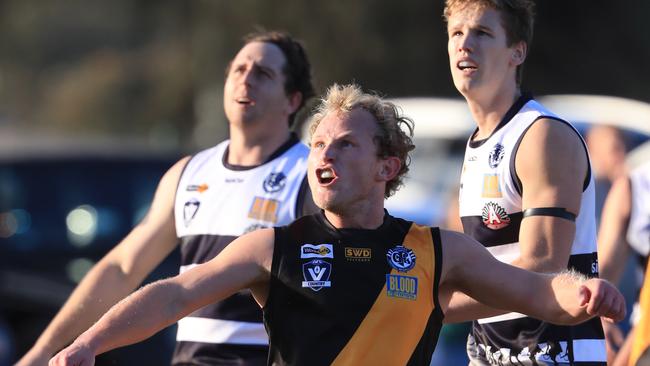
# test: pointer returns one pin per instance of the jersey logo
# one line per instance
(496, 155)
(316, 273)
(491, 187)
(317, 251)
(189, 210)
(401, 258)
(403, 287)
(494, 216)
(264, 209)
(197, 188)
(274, 182)
(358, 254)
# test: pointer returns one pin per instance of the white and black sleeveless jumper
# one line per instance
(490, 202)
(216, 203)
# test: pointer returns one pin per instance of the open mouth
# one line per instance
(466, 65)
(245, 101)
(325, 176)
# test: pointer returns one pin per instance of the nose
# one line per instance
(465, 43)
(328, 153)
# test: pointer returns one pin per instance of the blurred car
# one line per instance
(64, 205)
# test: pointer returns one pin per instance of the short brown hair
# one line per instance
(517, 19)
(297, 69)
(394, 131)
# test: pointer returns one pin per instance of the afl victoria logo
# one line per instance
(401, 258)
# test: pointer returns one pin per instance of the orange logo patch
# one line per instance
(264, 209)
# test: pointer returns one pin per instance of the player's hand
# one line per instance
(34, 358)
(77, 354)
(601, 298)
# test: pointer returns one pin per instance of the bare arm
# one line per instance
(566, 298)
(245, 263)
(612, 248)
(552, 165)
(116, 275)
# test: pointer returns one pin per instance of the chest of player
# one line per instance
(233, 202)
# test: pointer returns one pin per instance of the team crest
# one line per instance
(316, 273)
(496, 155)
(274, 182)
(494, 216)
(401, 258)
(189, 210)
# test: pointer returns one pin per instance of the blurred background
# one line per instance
(99, 98)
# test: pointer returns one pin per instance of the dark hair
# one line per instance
(297, 69)
(517, 19)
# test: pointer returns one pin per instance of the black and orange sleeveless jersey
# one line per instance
(354, 296)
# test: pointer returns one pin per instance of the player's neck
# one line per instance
(248, 148)
(488, 110)
(370, 216)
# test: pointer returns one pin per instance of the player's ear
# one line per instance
(519, 51)
(389, 169)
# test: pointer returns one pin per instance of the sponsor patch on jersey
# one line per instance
(403, 287)
(491, 187)
(197, 187)
(496, 155)
(401, 258)
(494, 216)
(358, 254)
(264, 209)
(274, 182)
(316, 273)
(317, 251)
(189, 210)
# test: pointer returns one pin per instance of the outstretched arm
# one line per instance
(565, 298)
(116, 275)
(245, 263)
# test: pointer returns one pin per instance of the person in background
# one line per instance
(255, 179)
(625, 229)
(526, 190)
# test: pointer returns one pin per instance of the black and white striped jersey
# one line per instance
(216, 203)
(490, 203)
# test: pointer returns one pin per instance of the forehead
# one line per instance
(263, 53)
(358, 122)
(474, 15)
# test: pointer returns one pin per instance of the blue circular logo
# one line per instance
(401, 258)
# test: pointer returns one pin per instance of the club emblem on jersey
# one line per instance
(401, 258)
(404, 287)
(316, 273)
(317, 251)
(494, 216)
(496, 155)
(275, 182)
(189, 210)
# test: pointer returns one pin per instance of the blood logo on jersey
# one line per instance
(494, 216)
(491, 187)
(316, 273)
(274, 182)
(189, 210)
(404, 287)
(401, 258)
(496, 155)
